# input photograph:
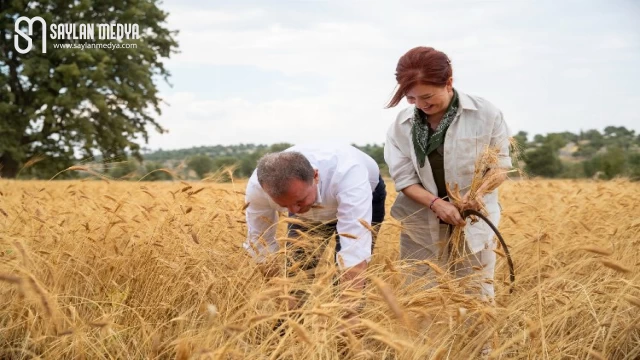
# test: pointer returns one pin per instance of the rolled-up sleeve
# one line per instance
(500, 137)
(261, 223)
(400, 164)
(354, 203)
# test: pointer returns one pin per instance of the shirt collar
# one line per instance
(319, 196)
(466, 102)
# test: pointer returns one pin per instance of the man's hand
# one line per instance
(348, 324)
(352, 284)
(353, 281)
(269, 269)
(353, 277)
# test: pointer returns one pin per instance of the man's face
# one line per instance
(300, 196)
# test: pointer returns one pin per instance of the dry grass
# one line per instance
(112, 270)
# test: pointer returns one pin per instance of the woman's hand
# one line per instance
(470, 204)
(446, 212)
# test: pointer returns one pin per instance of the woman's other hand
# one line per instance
(470, 203)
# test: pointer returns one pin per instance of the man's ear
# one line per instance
(316, 175)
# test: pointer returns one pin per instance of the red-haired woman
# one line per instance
(434, 142)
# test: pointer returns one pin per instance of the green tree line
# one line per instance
(218, 162)
(589, 154)
(612, 153)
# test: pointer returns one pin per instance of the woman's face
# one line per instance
(431, 99)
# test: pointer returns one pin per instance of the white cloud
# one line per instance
(323, 47)
(578, 73)
(194, 122)
(192, 19)
(499, 50)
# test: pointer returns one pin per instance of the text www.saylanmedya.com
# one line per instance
(86, 45)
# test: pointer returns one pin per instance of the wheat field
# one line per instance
(139, 270)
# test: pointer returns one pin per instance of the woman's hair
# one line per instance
(420, 65)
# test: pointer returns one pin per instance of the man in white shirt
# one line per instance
(331, 188)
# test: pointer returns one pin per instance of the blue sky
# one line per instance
(297, 71)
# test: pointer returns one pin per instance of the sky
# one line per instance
(322, 71)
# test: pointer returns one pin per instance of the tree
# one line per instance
(201, 164)
(222, 162)
(614, 162)
(569, 136)
(555, 140)
(43, 167)
(377, 154)
(278, 147)
(634, 166)
(124, 169)
(572, 170)
(374, 150)
(543, 161)
(619, 137)
(595, 138)
(611, 163)
(225, 162)
(71, 102)
(248, 163)
(153, 172)
(618, 131)
(521, 140)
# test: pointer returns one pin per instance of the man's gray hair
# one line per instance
(276, 170)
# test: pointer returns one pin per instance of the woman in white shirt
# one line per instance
(434, 142)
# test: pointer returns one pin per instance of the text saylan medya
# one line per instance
(68, 31)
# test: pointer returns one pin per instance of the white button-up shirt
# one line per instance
(477, 124)
(347, 179)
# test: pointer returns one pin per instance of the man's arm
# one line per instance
(261, 223)
(354, 197)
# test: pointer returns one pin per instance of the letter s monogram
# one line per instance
(28, 37)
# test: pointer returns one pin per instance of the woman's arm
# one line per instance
(406, 180)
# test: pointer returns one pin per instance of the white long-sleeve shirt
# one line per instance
(347, 179)
(477, 125)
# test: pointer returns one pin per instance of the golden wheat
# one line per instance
(135, 270)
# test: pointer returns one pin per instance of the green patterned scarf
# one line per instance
(424, 144)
